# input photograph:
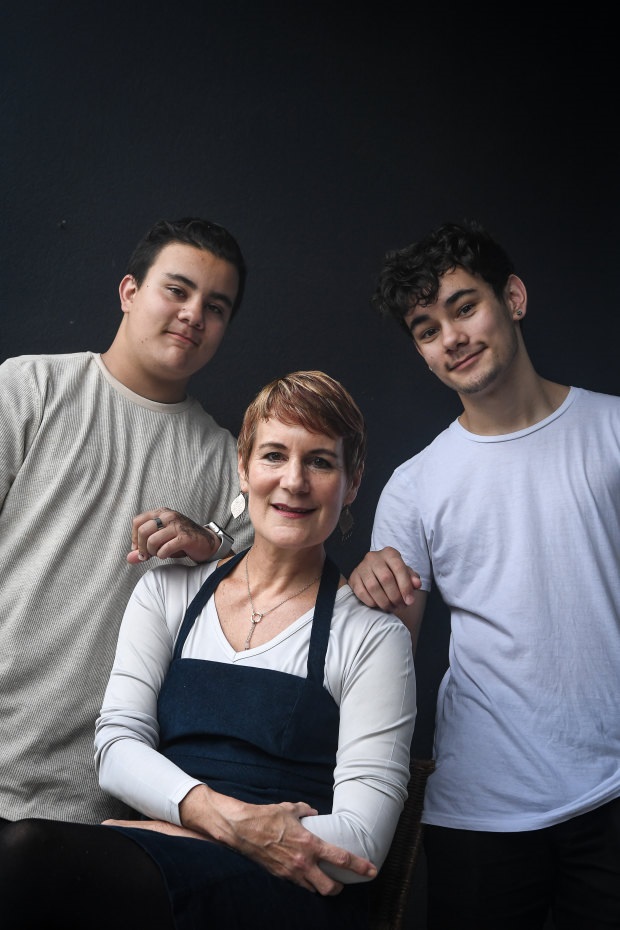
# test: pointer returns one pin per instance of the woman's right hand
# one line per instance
(272, 836)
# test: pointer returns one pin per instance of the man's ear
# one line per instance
(516, 297)
(127, 290)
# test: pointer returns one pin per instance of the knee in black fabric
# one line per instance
(70, 876)
(21, 843)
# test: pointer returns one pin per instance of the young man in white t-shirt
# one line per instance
(514, 513)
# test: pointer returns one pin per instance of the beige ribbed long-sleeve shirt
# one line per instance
(80, 455)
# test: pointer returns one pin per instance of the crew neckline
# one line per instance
(518, 434)
(121, 388)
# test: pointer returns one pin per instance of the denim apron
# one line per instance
(262, 736)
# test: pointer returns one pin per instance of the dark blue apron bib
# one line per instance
(262, 736)
(259, 735)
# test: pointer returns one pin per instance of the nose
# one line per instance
(294, 477)
(191, 312)
(453, 336)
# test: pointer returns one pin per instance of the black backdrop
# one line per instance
(321, 138)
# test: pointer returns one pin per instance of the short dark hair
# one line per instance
(411, 276)
(191, 230)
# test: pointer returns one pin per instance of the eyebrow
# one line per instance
(448, 302)
(281, 445)
(215, 295)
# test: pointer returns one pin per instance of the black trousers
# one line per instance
(69, 876)
(513, 881)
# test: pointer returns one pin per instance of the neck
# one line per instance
(522, 399)
(134, 376)
(274, 569)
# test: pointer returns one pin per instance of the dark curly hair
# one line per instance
(412, 275)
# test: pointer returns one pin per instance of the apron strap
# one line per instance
(205, 592)
(321, 623)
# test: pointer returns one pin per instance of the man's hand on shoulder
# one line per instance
(383, 580)
(169, 534)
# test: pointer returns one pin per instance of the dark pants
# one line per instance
(71, 876)
(513, 881)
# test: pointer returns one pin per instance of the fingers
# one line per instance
(169, 534)
(299, 809)
(343, 859)
(301, 853)
(143, 526)
(321, 882)
(383, 580)
(150, 532)
(138, 522)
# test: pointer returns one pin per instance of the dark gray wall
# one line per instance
(321, 138)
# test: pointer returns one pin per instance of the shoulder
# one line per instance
(47, 375)
(174, 580)
(213, 445)
(368, 649)
(197, 414)
(420, 475)
(166, 591)
(435, 450)
(596, 399)
(47, 363)
(363, 623)
(595, 413)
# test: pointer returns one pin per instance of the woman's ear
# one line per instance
(243, 478)
(353, 489)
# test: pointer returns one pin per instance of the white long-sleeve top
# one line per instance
(368, 671)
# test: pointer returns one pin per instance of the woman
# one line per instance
(257, 713)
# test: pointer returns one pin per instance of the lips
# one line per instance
(462, 361)
(184, 337)
(283, 508)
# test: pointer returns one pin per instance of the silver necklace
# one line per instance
(257, 615)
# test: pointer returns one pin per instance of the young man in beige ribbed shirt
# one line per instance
(87, 440)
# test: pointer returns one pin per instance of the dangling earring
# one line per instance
(345, 523)
(238, 505)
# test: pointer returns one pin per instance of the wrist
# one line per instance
(222, 541)
(210, 813)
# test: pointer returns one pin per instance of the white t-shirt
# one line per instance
(521, 534)
(368, 671)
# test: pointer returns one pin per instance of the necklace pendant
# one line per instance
(254, 619)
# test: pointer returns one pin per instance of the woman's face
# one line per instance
(296, 484)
